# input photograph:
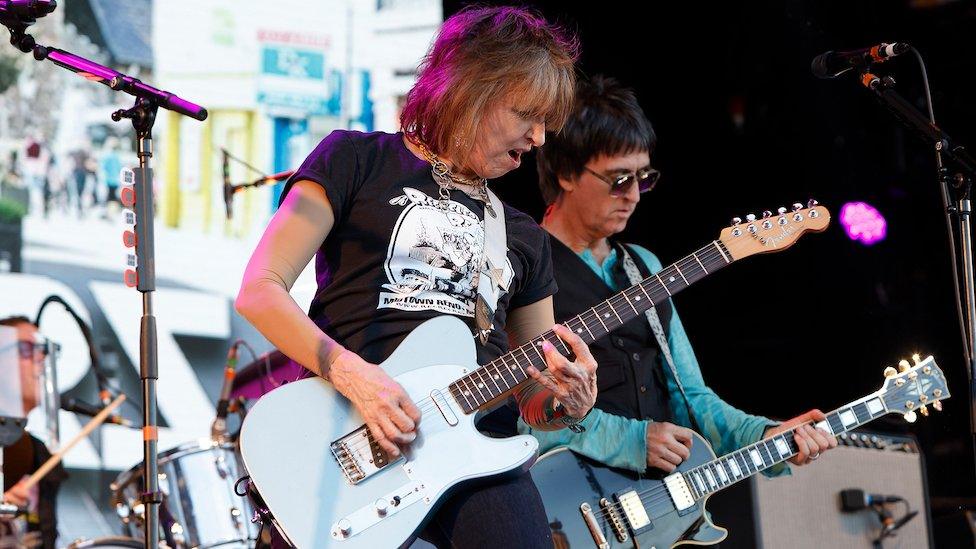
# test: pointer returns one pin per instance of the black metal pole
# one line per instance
(959, 213)
(143, 116)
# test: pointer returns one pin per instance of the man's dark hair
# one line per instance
(14, 321)
(606, 120)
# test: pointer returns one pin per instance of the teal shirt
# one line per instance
(621, 442)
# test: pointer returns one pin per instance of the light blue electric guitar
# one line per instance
(327, 483)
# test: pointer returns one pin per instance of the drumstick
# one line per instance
(85, 431)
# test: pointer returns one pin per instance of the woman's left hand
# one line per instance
(572, 382)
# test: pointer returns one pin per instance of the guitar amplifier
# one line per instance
(803, 511)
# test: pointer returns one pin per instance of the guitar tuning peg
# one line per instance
(903, 365)
(797, 206)
(910, 417)
(924, 410)
(781, 210)
(750, 217)
(916, 358)
(736, 220)
(937, 405)
(812, 203)
(890, 372)
(767, 214)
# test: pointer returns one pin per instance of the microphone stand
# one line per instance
(143, 115)
(231, 188)
(958, 184)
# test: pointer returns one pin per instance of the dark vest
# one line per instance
(629, 377)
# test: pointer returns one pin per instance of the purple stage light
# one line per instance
(863, 222)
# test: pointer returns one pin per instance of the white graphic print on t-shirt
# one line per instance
(435, 250)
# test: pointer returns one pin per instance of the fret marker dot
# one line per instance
(467, 393)
(606, 315)
(579, 330)
(495, 376)
(637, 298)
(480, 385)
(671, 279)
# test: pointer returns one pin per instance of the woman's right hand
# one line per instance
(390, 415)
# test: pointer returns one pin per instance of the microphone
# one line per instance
(835, 63)
(228, 188)
(854, 499)
(76, 406)
(218, 429)
(26, 10)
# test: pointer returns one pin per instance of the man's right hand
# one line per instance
(390, 415)
(667, 445)
(18, 494)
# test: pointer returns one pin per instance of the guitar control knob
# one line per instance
(345, 527)
(751, 217)
(382, 506)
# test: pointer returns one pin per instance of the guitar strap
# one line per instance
(633, 274)
(494, 259)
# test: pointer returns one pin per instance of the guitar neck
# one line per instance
(499, 377)
(708, 478)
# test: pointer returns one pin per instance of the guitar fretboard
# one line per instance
(499, 377)
(719, 473)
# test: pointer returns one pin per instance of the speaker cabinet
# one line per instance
(803, 511)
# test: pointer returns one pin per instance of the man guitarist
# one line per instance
(592, 175)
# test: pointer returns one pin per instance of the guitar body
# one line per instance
(566, 480)
(287, 441)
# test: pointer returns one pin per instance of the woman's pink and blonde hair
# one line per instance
(481, 58)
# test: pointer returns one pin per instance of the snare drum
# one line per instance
(200, 508)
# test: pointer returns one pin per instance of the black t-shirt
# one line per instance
(23, 458)
(396, 257)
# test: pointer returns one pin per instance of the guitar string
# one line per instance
(659, 493)
(652, 495)
(613, 304)
(711, 254)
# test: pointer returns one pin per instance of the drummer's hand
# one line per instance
(391, 416)
(18, 494)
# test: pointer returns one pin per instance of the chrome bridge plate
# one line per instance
(359, 456)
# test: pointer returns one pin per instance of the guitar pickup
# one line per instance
(633, 510)
(359, 456)
(680, 493)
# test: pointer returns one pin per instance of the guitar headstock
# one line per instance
(914, 387)
(773, 232)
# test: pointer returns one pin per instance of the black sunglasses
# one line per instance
(29, 349)
(645, 178)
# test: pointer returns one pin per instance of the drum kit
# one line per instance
(203, 483)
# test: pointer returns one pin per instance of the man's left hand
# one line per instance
(810, 441)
